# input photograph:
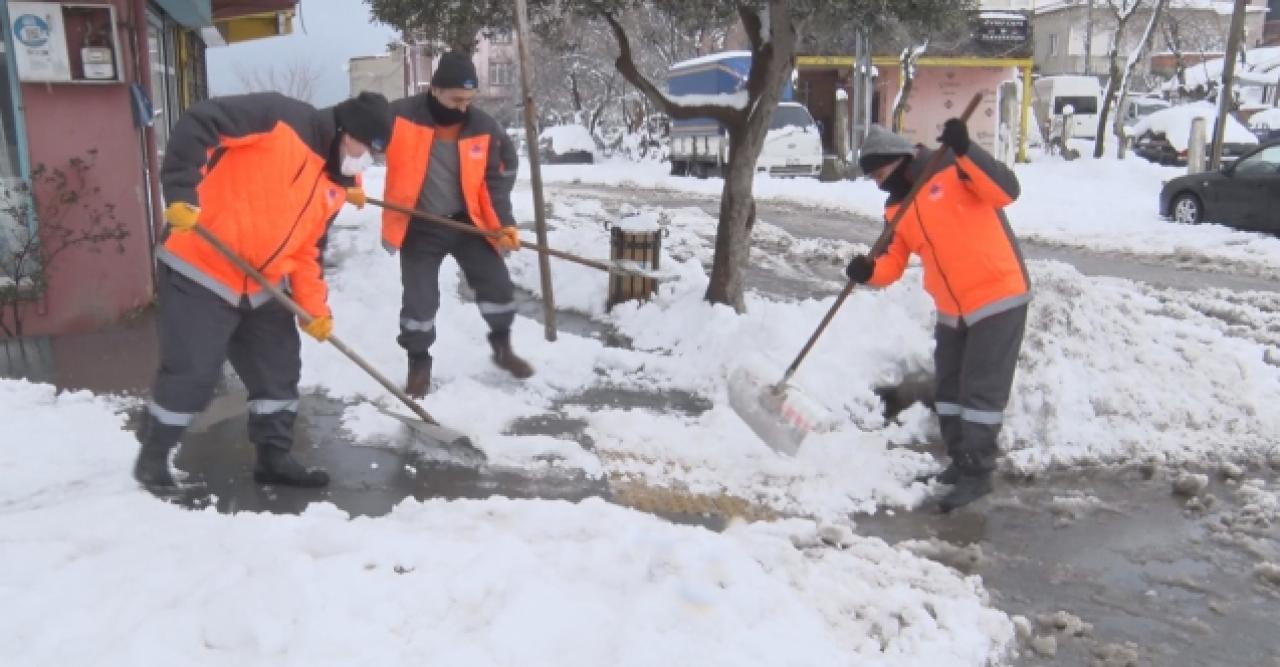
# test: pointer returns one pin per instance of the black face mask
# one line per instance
(897, 184)
(443, 114)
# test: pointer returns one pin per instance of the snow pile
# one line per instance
(565, 139)
(1112, 372)
(1174, 124)
(130, 580)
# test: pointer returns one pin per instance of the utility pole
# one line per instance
(1228, 82)
(535, 168)
(1088, 38)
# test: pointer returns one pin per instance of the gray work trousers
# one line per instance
(198, 331)
(425, 246)
(975, 365)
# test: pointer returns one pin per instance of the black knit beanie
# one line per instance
(455, 71)
(367, 118)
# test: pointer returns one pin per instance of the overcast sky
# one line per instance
(328, 33)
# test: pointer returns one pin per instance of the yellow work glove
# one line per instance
(319, 328)
(181, 216)
(508, 238)
(356, 197)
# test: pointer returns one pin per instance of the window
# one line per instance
(1263, 163)
(1053, 45)
(501, 37)
(162, 57)
(502, 74)
(1080, 104)
(10, 162)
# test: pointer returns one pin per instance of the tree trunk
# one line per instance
(733, 233)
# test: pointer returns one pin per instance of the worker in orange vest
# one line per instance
(974, 271)
(265, 174)
(449, 158)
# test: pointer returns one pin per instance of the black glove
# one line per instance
(955, 136)
(860, 269)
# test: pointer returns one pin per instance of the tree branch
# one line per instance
(627, 66)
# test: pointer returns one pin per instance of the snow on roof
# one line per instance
(1008, 16)
(1175, 124)
(1266, 120)
(712, 58)
(1260, 67)
(568, 139)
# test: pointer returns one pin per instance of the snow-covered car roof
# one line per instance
(568, 139)
(1266, 120)
(1175, 124)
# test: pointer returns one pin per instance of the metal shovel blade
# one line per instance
(442, 439)
(769, 412)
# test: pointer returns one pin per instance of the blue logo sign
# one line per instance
(31, 30)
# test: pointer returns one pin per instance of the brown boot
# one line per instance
(505, 358)
(419, 382)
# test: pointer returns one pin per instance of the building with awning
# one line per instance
(101, 81)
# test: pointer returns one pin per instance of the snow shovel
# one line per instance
(624, 268)
(782, 417)
(426, 427)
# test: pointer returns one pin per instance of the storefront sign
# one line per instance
(39, 41)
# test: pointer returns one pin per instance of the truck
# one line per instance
(1053, 94)
(700, 146)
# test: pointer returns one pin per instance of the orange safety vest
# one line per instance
(973, 267)
(409, 156)
(265, 193)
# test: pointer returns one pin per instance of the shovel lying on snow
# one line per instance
(783, 417)
(427, 429)
(620, 267)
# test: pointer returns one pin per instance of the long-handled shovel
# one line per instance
(428, 428)
(780, 416)
(625, 268)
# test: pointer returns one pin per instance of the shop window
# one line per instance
(12, 161)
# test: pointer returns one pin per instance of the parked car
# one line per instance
(1164, 136)
(1244, 195)
(566, 144)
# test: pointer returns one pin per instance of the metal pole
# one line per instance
(535, 168)
(1228, 80)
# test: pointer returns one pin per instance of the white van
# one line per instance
(1052, 94)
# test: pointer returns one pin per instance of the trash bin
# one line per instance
(636, 240)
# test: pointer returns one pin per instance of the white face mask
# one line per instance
(354, 165)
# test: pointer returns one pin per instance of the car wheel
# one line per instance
(1187, 209)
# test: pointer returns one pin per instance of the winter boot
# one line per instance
(419, 382)
(505, 357)
(950, 475)
(152, 466)
(969, 487)
(277, 466)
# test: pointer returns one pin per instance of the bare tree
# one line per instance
(1122, 13)
(297, 79)
(1135, 57)
(57, 212)
(908, 61)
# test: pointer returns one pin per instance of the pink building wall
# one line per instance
(942, 92)
(90, 290)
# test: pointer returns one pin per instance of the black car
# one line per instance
(1244, 195)
(1156, 148)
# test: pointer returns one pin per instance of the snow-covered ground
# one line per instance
(1106, 205)
(98, 572)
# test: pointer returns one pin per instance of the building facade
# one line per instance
(98, 84)
(1062, 28)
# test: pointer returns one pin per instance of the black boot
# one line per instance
(419, 382)
(973, 478)
(277, 466)
(152, 470)
(950, 475)
(506, 358)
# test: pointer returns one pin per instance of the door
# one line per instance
(1250, 192)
